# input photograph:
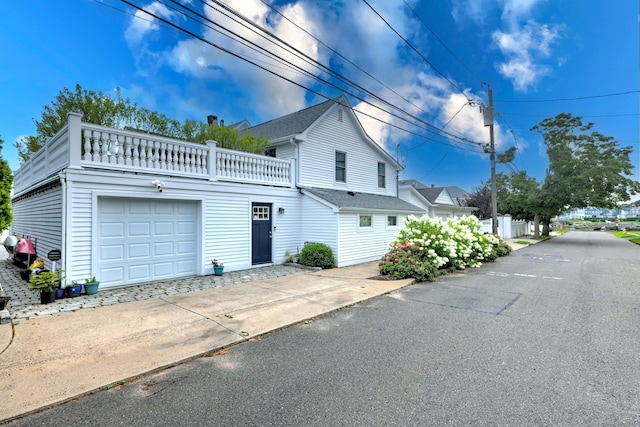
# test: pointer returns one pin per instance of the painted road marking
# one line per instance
(497, 274)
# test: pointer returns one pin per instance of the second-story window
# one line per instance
(341, 166)
(382, 178)
(271, 152)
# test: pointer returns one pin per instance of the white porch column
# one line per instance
(74, 121)
(211, 160)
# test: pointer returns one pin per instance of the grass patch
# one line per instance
(635, 240)
(625, 235)
(522, 242)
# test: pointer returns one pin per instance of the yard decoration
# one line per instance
(46, 283)
(91, 286)
(218, 267)
(73, 290)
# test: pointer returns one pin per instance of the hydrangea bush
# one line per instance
(425, 245)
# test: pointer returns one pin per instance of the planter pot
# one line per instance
(47, 297)
(3, 302)
(73, 291)
(91, 288)
(59, 293)
(218, 270)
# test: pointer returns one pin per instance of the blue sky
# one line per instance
(534, 52)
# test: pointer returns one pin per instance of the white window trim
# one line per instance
(367, 229)
(335, 160)
(391, 227)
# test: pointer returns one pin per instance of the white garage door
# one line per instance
(143, 240)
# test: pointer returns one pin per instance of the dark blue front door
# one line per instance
(261, 233)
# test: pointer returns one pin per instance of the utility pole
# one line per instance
(488, 121)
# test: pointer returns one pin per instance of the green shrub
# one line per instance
(317, 255)
(503, 249)
(408, 260)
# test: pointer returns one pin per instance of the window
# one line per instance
(261, 213)
(392, 221)
(341, 166)
(365, 221)
(340, 115)
(271, 152)
(382, 179)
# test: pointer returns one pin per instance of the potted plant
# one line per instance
(46, 283)
(218, 268)
(73, 290)
(91, 286)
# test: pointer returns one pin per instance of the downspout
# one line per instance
(63, 244)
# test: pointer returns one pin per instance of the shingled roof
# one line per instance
(354, 200)
(294, 123)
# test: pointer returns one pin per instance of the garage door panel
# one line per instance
(112, 252)
(163, 248)
(142, 229)
(113, 274)
(163, 228)
(163, 269)
(139, 250)
(185, 247)
(139, 272)
(184, 267)
(139, 207)
(186, 228)
(111, 229)
(144, 240)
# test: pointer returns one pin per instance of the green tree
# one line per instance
(6, 182)
(480, 198)
(225, 136)
(121, 113)
(586, 168)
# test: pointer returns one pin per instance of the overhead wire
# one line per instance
(343, 57)
(416, 50)
(315, 63)
(579, 98)
(239, 56)
(424, 24)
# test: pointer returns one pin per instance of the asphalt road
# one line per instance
(545, 336)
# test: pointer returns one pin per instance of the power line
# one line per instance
(344, 57)
(442, 42)
(580, 115)
(239, 56)
(572, 99)
(416, 50)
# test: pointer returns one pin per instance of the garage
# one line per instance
(142, 240)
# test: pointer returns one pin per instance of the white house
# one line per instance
(129, 207)
(436, 201)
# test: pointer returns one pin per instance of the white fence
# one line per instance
(508, 228)
(84, 145)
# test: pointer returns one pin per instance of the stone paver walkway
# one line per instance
(25, 303)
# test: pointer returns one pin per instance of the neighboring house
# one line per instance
(129, 207)
(436, 201)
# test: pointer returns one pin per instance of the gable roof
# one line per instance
(294, 123)
(349, 200)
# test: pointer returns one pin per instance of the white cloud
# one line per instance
(524, 50)
(142, 23)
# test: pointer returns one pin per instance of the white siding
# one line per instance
(320, 225)
(410, 195)
(317, 157)
(224, 219)
(39, 215)
(286, 151)
(359, 245)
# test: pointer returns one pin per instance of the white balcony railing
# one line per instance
(84, 145)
